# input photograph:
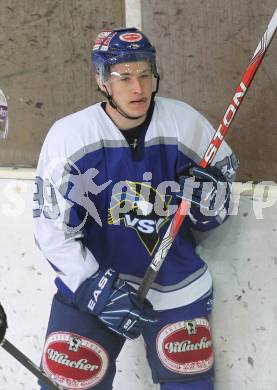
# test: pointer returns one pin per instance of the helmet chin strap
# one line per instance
(114, 105)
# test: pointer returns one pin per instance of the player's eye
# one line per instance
(124, 78)
(145, 76)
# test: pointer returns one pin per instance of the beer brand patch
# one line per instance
(185, 347)
(74, 362)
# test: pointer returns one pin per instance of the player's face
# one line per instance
(130, 85)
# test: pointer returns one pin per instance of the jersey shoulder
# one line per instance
(180, 120)
(188, 122)
(86, 128)
(180, 110)
(192, 130)
(76, 122)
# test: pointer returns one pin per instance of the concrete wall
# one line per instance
(204, 48)
(242, 258)
(45, 66)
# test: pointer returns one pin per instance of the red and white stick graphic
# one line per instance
(209, 155)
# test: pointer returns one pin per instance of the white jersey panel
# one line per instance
(175, 121)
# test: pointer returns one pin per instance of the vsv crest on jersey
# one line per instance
(73, 361)
(140, 207)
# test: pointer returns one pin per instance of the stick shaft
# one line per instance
(209, 155)
(26, 362)
(240, 92)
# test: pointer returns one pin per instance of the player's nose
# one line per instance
(136, 85)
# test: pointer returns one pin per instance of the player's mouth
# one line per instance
(139, 102)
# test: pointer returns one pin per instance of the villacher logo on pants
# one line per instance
(185, 347)
(74, 361)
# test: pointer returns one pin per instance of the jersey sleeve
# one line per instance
(59, 221)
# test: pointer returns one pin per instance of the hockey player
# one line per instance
(108, 180)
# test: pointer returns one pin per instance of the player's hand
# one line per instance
(207, 190)
(3, 323)
(116, 304)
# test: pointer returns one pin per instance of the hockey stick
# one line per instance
(209, 155)
(26, 362)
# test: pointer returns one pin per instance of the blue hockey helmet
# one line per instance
(121, 45)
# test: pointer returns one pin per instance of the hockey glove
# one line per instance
(207, 190)
(116, 304)
(3, 323)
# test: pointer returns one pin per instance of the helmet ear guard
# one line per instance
(104, 91)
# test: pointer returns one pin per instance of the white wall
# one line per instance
(241, 254)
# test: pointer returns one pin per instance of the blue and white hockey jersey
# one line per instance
(97, 206)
